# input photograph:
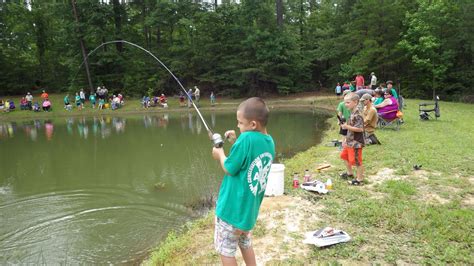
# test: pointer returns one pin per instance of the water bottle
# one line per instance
(329, 184)
(296, 181)
(307, 176)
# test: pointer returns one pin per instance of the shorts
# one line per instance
(349, 154)
(226, 240)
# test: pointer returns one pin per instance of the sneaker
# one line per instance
(346, 175)
(355, 182)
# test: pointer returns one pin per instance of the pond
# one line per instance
(108, 189)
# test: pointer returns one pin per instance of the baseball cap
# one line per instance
(366, 97)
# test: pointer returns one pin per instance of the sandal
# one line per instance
(346, 175)
(355, 182)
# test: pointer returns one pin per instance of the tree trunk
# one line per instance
(279, 12)
(83, 48)
(118, 24)
(302, 15)
(145, 27)
(40, 41)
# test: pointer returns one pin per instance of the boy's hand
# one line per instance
(230, 135)
(344, 126)
(217, 153)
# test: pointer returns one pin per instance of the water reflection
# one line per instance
(160, 120)
(48, 129)
(100, 126)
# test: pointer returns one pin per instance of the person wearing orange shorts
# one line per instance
(354, 142)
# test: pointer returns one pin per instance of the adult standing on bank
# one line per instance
(29, 100)
(373, 81)
(197, 94)
(44, 95)
(190, 95)
(82, 94)
(360, 82)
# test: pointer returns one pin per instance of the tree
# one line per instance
(429, 41)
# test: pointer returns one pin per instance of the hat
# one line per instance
(366, 97)
(346, 92)
(195, 87)
(372, 73)
(389, 82)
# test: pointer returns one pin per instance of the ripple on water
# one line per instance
(61, 225)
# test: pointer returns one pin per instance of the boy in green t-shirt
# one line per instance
(242, 190)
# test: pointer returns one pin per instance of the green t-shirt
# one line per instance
(352, 88)
(394, 93)
(378, 100)
(346, 113)
(66, 100)
(241, 192)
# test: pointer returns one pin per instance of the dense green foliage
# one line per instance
(238, 49)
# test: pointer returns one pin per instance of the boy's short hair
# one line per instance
(255, 109)
(352, 96)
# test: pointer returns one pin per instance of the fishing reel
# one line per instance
(217, 140)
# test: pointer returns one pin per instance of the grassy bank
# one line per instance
(131, 106)
(134, 106)
(400, 215)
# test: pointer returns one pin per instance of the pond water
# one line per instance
(108, 189)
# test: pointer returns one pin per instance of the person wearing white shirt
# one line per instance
(373, 81)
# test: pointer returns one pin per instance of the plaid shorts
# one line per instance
(226, 239)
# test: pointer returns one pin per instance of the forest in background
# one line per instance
(250, 48)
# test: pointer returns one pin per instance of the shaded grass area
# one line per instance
(400, 216)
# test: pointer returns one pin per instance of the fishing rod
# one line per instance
(216, 138)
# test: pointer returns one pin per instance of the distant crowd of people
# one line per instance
(27, 103)
(99, 99)
(185, 99)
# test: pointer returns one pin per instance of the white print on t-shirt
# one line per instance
(258, 172)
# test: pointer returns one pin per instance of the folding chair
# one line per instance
(425, 109)
(385, 123)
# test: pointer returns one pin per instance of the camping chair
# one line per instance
(385, 123)
(425, 109)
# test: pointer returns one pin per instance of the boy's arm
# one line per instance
(358, 125)
(218, 154)
(352, 128)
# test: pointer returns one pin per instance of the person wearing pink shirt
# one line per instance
(360, 82)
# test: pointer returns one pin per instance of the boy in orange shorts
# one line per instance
(352, 146)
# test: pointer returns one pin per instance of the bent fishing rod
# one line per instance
(216, 138)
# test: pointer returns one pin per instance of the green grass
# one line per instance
(179, 241)
(392, 221)
(396, 220)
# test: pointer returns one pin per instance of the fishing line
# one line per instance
(216, 138)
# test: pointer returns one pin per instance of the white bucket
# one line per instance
(276, 180)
